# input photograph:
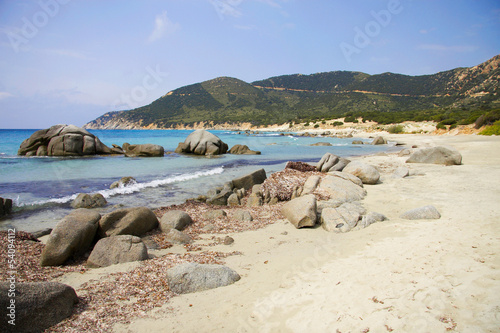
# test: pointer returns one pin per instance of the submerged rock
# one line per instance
(144, 150)
(242, 150)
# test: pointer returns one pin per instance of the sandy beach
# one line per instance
(398, 275)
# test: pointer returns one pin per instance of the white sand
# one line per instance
(407, 276)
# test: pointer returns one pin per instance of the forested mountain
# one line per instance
(461, 94)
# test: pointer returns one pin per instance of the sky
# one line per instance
(71, 61)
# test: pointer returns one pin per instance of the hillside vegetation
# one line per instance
(458, 96)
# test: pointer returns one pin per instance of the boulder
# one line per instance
(379, 141)
(194, 277)
(342, 190)
(128, 221)
(370, 218)
(436, 155)
(346, 176)
(116, 250)
(220, 199)
(310, 185)
(421, 213)
(72, 236)
(177, 237)
(243, 215)
(5, 206)
(254, 200)
(233, 200)
(85, 200)
(201, 142)
(228, 240)
(175, 219)
(401, 172)
(123, 182)
(144, 150)
(248, 181)
(343, 218)
(214, 214)
(301, 212)
(38, 305)
(330, 162)
(62, 140)
(242, 150)
(358, 142)
(367, 173)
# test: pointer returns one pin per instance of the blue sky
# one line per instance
(70, 61)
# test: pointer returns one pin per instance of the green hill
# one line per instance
(461, 94)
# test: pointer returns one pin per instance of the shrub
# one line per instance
(337, 123)
(492, 130)
(306, 124)
(441, 126)
(316, 126)
(396, 129)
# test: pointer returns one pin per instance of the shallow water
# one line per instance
(43, 187)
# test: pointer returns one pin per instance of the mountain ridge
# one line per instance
(458, 92)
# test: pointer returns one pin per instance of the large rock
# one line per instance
(123, 182)
(248, 181)
(128, 221)
(175, 219)
(310, 185)
(425, 212)
(85, 200)
(346, 176)
(5, 206)
(220, 199)
(177, 237)
(330, 162)
(72, 236)
(342, 219)
(62, 140)
(301, 212)
(379, 141)
(342, 190)
(116, 250)
(367, 173)
(144, 150)
(436, 155)
(194, 277)
(38, 305)
(201, 142)
(242, 150)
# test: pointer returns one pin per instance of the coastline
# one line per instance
(394, 275)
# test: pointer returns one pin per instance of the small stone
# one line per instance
(228, 240)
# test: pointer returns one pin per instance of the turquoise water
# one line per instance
(43, 187)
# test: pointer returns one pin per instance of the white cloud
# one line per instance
(4, 95)
(447, 48)
(163, 26)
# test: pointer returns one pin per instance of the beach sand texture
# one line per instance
(398, 275)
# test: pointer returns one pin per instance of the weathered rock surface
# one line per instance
(144, 150)
(341, 189)
(116, 250)
(243, 215)
(194, 277)
(201, 142)
(220, 199)
(436, 155)
(330, 162)
(370, 218)
(367, 173)
(123, 182)
(421, 213)
(128, 221)
(379, 141)
(346, 176)
(321, 144)
(242, 150)
(254, 200)
(301, 212)
(233, 200)
(248, 181)
(401, 172)
(175, 219)
(62, 140)
(310, 185)
(177, 237)
(85, 200)
(5, 206)
(347, 217)
(72, 236)
(214, 214)
(38, 305)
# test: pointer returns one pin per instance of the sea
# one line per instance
(42, 188)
